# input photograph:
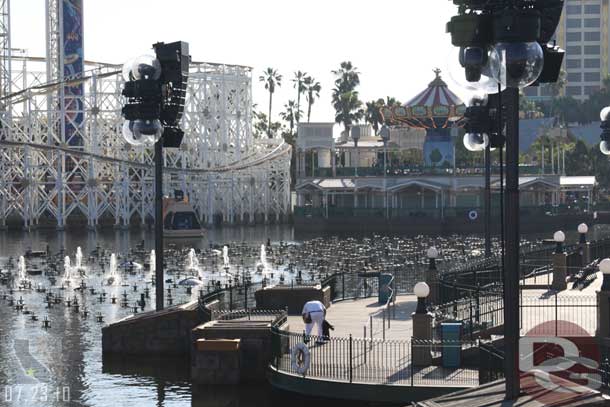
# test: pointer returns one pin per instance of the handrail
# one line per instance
(383, 310)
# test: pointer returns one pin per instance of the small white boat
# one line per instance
(180, 219)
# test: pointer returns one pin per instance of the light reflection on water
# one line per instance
(64, 365)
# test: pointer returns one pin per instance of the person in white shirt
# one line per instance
(316, 311)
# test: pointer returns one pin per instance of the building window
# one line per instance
(574, 50)
(589, 90)
(573, 90)
(590, 35)
(573, 63)
(574, 9)
(592, 63)
(592, 49)
(592, 22)
(574, 23)
(574, 37)
(592, 76)
(591, 9)
(574, 77)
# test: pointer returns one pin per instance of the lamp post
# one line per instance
(422, 327)
(155, 89)
(502, 42)
(603, 301)
(432, 274)
(559, 237)
(585, 248)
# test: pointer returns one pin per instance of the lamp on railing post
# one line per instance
(585, 248)
(431, 275)
(603, 302)
(421, 343)
(559, 263)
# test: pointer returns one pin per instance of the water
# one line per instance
(45, 367)
(66, 359)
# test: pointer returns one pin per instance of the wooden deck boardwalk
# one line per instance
(351, 316)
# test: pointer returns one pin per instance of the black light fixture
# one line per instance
(507, 41)
(604, 145)
(477, 124)
(155, 91)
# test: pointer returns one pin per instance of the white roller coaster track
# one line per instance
(227, 174)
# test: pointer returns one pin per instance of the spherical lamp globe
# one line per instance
(421, 290)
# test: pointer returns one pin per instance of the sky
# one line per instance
(395, 44)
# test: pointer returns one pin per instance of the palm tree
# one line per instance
(348, 108)
(299, 83)
(347, 77)
(272, 79)
(373, 113)
(291, 115)
(345, 100)
(312, 90)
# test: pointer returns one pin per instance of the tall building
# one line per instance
(583, 34)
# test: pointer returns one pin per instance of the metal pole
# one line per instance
(159, 223)
(385, 182)
(511, 273)
(488, 201)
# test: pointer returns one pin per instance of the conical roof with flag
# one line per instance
(435, 107)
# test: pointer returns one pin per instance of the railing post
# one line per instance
(350, 358)
(556, 314)
(246, 296)
(364, 344)
(230, 297)
(412, 371)
(371, 329)
(383, 323)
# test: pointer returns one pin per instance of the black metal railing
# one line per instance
(491, 363)
(360, 360)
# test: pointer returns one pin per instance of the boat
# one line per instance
(180, 219)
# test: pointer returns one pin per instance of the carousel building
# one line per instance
(409, 174)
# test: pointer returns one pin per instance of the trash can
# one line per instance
(385, 290)
(451, 343)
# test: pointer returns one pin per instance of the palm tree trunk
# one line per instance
(309, 109)
(269, 125)
(298, 102)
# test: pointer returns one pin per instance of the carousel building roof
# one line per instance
(434, 107)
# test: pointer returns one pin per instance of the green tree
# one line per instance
(312, 90)
(299, 84)
(291, 115)
(348, 109)
(345, 98)
(261, 125)
(272, 80)
(372, 113)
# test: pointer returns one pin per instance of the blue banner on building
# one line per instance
(438, 148)
(73, 56)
